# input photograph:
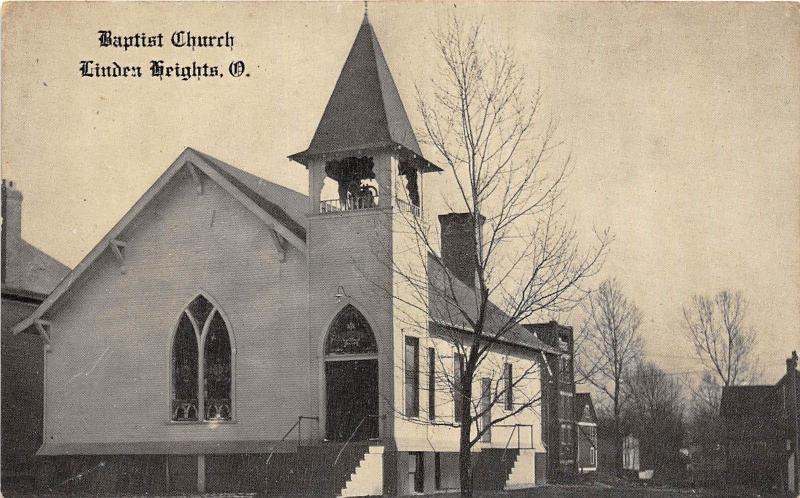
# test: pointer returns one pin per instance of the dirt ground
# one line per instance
(605, 491)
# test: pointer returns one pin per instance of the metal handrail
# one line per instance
(292, 428)
(300, 426)
(516, 428)
(352, 434)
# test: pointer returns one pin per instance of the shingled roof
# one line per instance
(448, 296)
(748, 400)
(285, 205)
(282, 209)
(365, 111)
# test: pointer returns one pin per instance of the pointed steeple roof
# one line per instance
(365, 111)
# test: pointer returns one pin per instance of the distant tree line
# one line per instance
(675, 418)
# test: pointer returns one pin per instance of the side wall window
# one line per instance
(431, 384)
(412, 376)
(201, 328)
(509, 392)
(458, 367)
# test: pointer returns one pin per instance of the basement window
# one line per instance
(416, 471)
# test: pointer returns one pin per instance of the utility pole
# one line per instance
(791, 372)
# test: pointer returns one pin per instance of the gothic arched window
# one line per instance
(350, 334)
(201, 383)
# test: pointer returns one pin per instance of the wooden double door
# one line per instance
(351, 388)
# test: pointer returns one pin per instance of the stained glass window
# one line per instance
(201, 326)
(217, 370)
(184, 371)
(350, 334)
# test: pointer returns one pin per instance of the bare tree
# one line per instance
(655, 411)
(705, 431)
(524, 258)
(721, 338)
(724, 343)
(612, 346)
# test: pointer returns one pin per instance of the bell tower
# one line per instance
(364, 119)
(365, 169)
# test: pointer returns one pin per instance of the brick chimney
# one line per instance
(458, 245)
(11, 231)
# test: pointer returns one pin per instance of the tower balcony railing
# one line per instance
(349, 204)
(360, 203)
(408, 207)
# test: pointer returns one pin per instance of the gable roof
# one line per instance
(285, 205)
(27, 271)
(449, 299)
(365, 110)
(748, 401)
(786, 379)
(39, 272)
(269, 202)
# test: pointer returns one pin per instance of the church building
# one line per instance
(230, 334)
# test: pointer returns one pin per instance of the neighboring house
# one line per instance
(587, 432)
(630, 453)
(758, 434)
(558, 404)
(229, 334)
(28, 275)
(606, 454)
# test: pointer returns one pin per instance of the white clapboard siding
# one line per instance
(108, 371)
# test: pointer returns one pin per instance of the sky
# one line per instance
(683, 120)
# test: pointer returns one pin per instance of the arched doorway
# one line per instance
(351, 378)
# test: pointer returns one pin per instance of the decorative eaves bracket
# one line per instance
(118, 248)
(198, 178)
(43, 326)
(281, 244)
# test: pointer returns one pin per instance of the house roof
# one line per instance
(281, 213)
(748, 400)
(39, 272)
(786, 379)
(449, 299)
(551, 333)
(365, 110)
(26, 269)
